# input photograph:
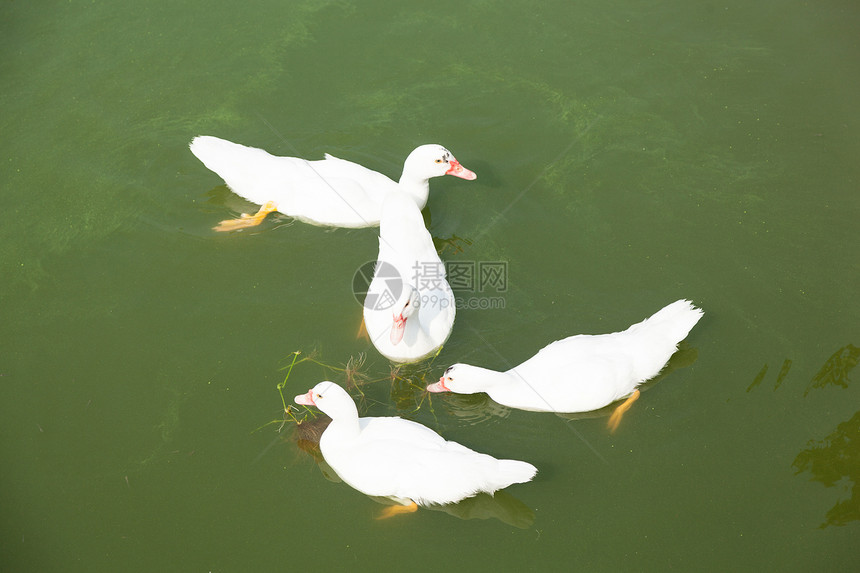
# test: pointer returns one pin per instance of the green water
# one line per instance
(628, 154)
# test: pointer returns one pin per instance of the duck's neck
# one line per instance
(344, 426)
(418, 189)
(500, 386)
(416, 336)
(486, 380)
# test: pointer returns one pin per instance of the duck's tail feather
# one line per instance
(655, 339)
(215, 152)
(514, 471)
(243, 168)
(673, 321)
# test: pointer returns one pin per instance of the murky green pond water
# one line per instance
(628, 154)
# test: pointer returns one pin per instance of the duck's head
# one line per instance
(330, 398)
(460, 379)
(406, 306)
(434, 160)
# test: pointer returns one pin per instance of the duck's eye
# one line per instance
(438, 161)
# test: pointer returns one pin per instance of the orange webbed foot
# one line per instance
(246, 220)
(362, 331)
(615, 418)
(393, 510)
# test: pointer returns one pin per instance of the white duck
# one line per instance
(403, 460)
(328, 191)
(583, 372)
(409, 308)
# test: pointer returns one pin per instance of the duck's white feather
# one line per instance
(406, 246)
(583, 372)
(403, 460)
(329, 191)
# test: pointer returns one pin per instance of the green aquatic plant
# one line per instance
(836, 370)
(454, 243)
(287, 377)
(354, 378)
(407, 392)
(835, 461)
(291, 412)
(407, 388)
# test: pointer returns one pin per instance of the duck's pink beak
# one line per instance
(438, 386)
(398, 327)
(458, 170)
(306, 399)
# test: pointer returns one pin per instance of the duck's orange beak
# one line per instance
(458, 170)
(438, 386)
(306, 399)
(398, 327)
